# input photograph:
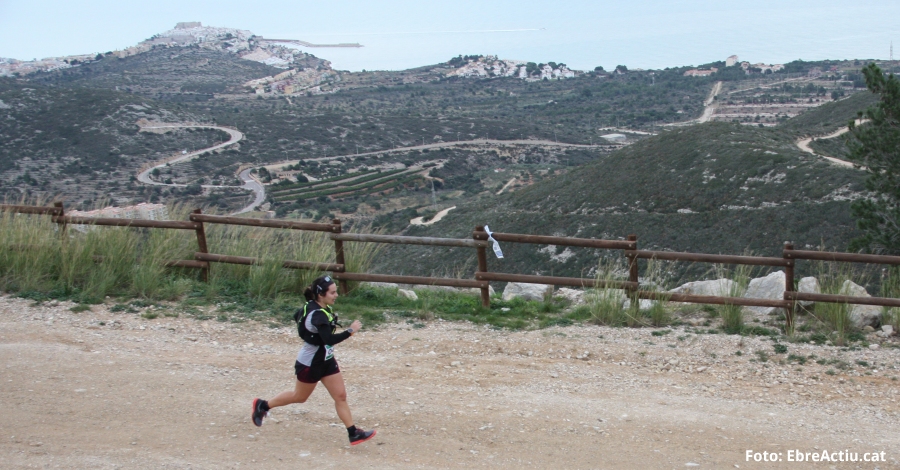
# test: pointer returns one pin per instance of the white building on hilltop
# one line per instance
(731, 60)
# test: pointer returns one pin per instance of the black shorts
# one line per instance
(314, 373)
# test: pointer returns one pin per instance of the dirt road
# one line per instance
(114, 390)
(803, 144)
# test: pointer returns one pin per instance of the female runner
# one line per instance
(316, 325)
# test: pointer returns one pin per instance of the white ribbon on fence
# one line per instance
(497, 250)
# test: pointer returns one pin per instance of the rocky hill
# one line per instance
(188, 59)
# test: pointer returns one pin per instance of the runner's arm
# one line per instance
(320, 321)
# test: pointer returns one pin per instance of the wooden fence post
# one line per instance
(339, 256)
(201, 246)
(632, 269)
(62, 212)
(482, 267)
(788, 287)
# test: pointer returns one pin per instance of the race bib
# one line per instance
(329, 352)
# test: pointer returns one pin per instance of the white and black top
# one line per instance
(317, 325)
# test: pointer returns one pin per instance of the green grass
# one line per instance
(378, 305)
(890, 287)
(36, 259)
(733, 315)
(834, 318)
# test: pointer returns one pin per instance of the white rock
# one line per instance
(645, 304)
(526, 291)
(575, 296)
(477, 291)
(382, 285)
(861, 315)
(711, 287)
(769, 287)
(888, 330)
(407, 294)
(808, 285)
(434, 288)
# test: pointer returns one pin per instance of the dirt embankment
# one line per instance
(114, 390)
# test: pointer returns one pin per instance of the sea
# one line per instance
(647, 35)
(404, 34)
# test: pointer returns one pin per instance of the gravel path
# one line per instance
(803, 144)
(114, 390)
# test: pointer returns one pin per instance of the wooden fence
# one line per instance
(480, 242)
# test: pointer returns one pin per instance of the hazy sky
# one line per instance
(400, 34)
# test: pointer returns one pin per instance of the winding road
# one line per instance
(803, 144)
(235, 135)
(544, 143)
(259, 190)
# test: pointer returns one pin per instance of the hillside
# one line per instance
(193, 73)
(829, 117)
(292, 107)
(714, 188)
(82, 145)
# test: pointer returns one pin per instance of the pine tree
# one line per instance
(875, 146)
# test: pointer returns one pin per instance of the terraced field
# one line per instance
(350, 185)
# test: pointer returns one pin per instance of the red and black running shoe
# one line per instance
(361, 436)
(258, 412)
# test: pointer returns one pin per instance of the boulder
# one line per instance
(808, 285)
(463, 290)
(382, 285)
(437, 288)
(408, 294)
(861, 315)
(526, 291)
(770, 287)
(644, 304)
(575, 296)
(476, 291)
(887, 330)
(712, 287)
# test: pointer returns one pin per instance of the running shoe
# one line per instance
(258, 413)
(361, 436)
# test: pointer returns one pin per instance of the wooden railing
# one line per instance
(482, 276)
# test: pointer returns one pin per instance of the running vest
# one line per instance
(307, 335)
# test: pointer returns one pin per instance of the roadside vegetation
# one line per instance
(125, 268)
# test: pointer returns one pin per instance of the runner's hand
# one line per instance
(356, 325)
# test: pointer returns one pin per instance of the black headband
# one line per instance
(321, 285)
